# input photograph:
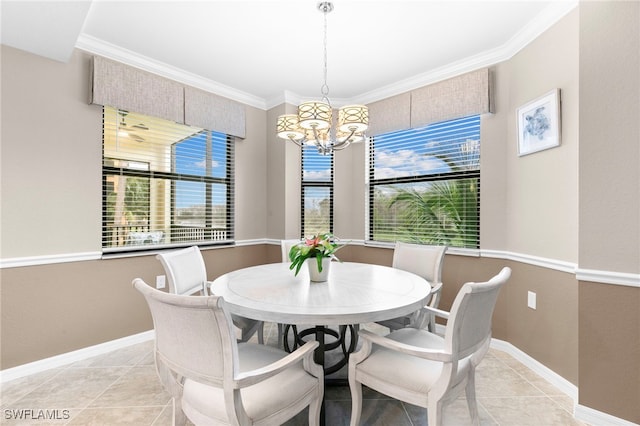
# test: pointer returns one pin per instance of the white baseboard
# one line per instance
(582, 413)
(74, 356)
(541, 370)
(595, 417)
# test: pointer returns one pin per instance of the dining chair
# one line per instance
(213, 379)
(285, 248)
(422, 368)
(425, 261)
(187, 275)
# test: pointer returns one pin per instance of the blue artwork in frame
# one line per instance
(539, 123)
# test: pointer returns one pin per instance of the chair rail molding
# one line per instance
(606, 277)
(582, 274)
(17, 262)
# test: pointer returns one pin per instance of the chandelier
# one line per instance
(313, 123)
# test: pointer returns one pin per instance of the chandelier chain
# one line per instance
(325, 87)
(313, 125)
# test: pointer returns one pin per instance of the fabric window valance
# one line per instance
(465, 95)
(131, 89)
(210, 111)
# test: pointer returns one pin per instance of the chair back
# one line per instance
(194, 335)
(285, 247)
(469, 323)
(423, 260)
(186, 271)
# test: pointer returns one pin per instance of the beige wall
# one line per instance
(349, 209)
(609, 210)
(251, 179)
(541, 188)
(610, 136)
(51, 205)
(54, 167)
(51, 157)
(283, 181)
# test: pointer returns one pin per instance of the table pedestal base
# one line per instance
(320, 332)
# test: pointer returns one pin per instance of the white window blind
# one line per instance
(164, 183)
(317, 192)
(424, 184)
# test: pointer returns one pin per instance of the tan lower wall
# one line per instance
(549, 334)
(54, 309)
(610, 349)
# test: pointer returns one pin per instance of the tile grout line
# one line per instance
(103, 391)
(487, 411)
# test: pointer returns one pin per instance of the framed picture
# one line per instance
(539, 124)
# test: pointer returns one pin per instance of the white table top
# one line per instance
(355, 293)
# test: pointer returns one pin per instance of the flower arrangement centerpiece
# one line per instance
(322, 247)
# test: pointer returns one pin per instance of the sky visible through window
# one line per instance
(434, 149)
(315, 168)
(190, 159)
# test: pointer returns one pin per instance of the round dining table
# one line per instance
(354, 293)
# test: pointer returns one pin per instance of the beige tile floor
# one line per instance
(121, 387)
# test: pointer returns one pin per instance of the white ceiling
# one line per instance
(265, 52)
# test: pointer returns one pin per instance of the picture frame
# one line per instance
(539, 123)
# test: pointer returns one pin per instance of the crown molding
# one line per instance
(289, 97)
(111, 51)
(543, 21)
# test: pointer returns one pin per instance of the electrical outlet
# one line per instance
(160, 281)
(531, 300)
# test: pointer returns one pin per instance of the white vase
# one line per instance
(314, 274)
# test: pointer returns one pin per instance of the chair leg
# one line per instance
(179, 418)
(431, 325)
(280, 335)
(314, 411)
(434, 413)
(470, 391)
(261, 333)
(356, 402)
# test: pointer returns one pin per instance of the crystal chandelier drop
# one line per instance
(313, 123)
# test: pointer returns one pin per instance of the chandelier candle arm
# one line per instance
(313, 123)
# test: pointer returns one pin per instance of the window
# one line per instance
(317, 192)
(424, 184)
(164, 183)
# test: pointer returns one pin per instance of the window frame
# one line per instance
(172, 177)
(453, 175)
(307, 184)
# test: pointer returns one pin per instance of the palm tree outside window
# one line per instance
(424, 184)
